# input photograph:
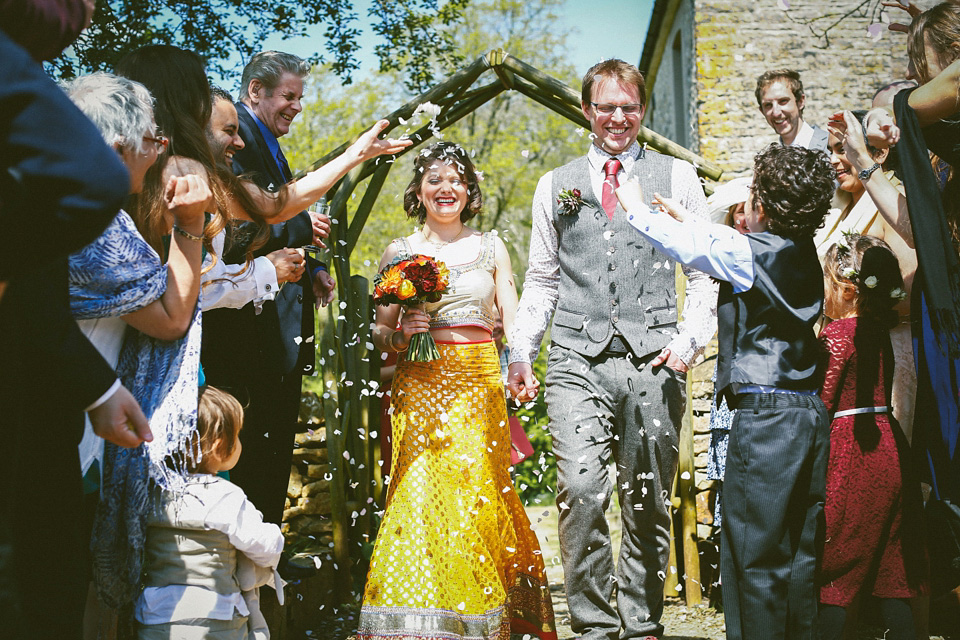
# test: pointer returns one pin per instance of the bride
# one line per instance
(455, 556)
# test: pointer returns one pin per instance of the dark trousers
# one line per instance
(773, 495)
(43, 575)
(271, 407)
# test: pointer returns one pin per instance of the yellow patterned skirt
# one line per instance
(455, 556)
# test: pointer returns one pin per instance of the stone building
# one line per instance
(702, 58)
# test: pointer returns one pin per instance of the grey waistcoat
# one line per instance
(611, 279)
(180, 550)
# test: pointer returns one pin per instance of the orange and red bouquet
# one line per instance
(410, 282)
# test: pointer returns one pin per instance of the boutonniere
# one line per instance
(569, 201)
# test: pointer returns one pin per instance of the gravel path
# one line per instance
(681, 622)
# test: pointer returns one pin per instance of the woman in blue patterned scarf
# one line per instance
(133, 307)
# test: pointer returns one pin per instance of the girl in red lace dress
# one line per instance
(873, 543)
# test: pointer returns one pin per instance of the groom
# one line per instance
(616, 371)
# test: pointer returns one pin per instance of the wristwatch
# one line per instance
(866, 173)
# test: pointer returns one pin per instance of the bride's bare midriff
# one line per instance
(460, 334)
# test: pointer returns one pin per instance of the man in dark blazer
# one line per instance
(66, 189)
(261, 357)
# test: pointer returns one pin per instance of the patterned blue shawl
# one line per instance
(117, 274)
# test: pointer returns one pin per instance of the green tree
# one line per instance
(221, 29)
(512, 139)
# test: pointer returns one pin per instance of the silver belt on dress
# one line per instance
(859, 410)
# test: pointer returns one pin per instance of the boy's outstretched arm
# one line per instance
(715, 249)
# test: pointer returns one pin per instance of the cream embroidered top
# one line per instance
(471, 293)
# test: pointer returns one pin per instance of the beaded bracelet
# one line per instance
(186, 234)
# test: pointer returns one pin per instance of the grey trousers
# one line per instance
(773, 493)
(603, 409)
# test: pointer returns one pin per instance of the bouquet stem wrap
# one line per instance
(423, 348)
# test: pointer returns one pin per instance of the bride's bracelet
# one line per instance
(393, 343)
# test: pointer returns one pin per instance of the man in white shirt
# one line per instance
(615, 381)
(781, 99)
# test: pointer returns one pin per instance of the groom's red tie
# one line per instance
(610, 184)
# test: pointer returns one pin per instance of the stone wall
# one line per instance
(306, 516)
(310, 602)
(737, 40)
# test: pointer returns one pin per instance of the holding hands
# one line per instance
(521, 383)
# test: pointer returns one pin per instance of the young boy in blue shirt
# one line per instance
(771, 295)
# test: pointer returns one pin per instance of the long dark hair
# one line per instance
(870, 266)
(940, 26)
(451, 154)
(178, 82)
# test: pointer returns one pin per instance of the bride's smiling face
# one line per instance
(443, 192)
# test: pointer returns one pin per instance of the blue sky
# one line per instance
(591, 21)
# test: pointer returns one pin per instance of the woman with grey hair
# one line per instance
(119, 281)
(154, 298)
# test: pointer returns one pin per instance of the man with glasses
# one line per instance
(615, 379)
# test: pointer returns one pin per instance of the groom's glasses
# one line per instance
(609, 109)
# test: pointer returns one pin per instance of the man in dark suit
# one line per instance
(261, 358)
(50, 372)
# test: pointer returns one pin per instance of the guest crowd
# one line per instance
(152, 348)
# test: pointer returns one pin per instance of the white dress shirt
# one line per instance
(221, 506)
(804, 136)
(225, 286)
(542, 282)
(715, 249)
